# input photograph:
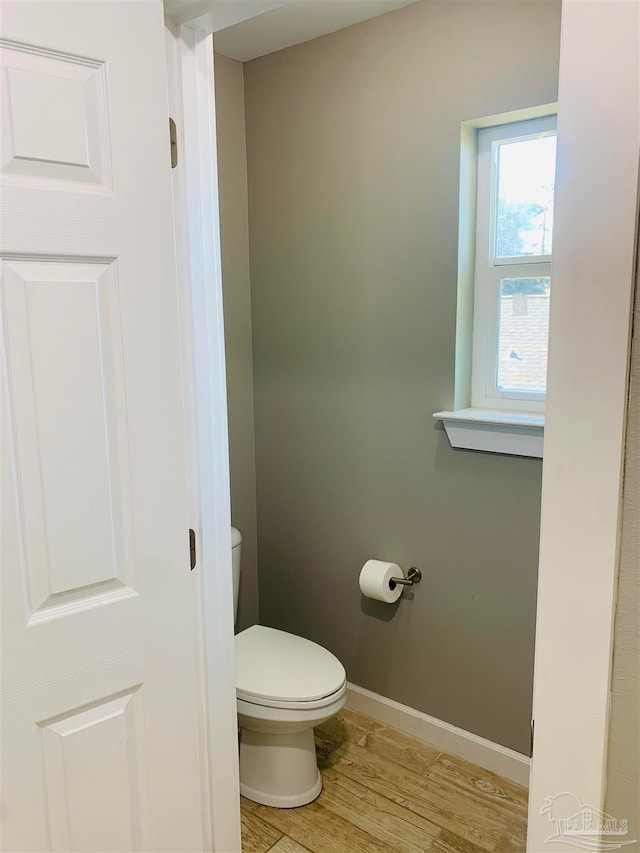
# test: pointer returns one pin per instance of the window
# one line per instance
(507, 177)
(512, 281)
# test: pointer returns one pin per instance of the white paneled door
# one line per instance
(98, 673)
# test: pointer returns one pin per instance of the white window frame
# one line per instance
(490, 270)
(509, 428)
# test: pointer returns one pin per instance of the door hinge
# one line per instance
(173, 140)
(192, 548)
(533, 725)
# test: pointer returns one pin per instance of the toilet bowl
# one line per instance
(285, 686)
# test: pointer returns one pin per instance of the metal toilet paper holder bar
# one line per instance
(414, 575)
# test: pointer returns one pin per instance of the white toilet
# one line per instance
(285, 685)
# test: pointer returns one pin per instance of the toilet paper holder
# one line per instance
(414, 575)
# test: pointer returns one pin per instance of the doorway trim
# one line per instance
(190, 66)
(585, 417)
(595, 237)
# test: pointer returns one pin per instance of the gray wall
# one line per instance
(353, 157)
(232, 174)
(623, 768)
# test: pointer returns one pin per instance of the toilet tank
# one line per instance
(236, 544)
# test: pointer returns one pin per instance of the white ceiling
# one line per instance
(294, 22)
(214, 15)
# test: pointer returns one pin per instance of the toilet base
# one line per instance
(279, 770)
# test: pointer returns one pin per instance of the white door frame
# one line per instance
(192, 101)
(594, 261)
(586, 405)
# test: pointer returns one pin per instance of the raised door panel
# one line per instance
(66, 391)
(54, 119)
(94, 776)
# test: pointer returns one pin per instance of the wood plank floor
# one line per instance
(386, 791)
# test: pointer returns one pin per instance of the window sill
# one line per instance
(514, 433)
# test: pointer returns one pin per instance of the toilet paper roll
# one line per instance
(374, 580)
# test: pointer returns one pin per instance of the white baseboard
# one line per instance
(492, 756)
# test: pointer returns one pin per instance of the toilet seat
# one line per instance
(281, 670)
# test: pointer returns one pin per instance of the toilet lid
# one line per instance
(275, 665)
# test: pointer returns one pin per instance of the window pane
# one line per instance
(523, 332)
(526, 173)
